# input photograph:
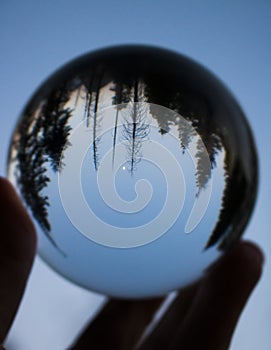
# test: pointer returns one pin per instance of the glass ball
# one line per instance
(138, 167)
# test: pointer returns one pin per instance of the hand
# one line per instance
(203, 315)
(17, 250)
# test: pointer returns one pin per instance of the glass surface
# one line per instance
(138, 167)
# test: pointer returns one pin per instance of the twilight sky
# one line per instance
(231, 38)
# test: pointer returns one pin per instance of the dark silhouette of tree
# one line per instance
(206, 160)
(135, 128)
(95, 121)
(232, 208)
(199, 115)
(93, 85)
(88, 100)
(31, 172)
(55, 128)
(203, 171)
(120, 99)
(165, 122)
(78, 92)
(40, 138)
(186, 133)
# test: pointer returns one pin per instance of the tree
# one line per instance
(135, 128)
(92, 85)
(41, 137)
(54, 126)
(119, 100)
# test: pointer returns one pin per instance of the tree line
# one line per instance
(43, 135)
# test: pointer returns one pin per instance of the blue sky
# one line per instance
(232, 38)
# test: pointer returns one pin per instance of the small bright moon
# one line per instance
(123, 168)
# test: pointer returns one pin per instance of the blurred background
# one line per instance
(232, 38)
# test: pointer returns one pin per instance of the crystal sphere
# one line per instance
(137, 166)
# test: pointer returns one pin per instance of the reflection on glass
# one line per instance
(119, 140)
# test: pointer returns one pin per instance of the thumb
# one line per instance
(221, 298)
(17, 250)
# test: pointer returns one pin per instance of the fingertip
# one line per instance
(244, 255)
(252, 252)
(246, 261)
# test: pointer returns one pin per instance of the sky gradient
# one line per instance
(230, 38)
